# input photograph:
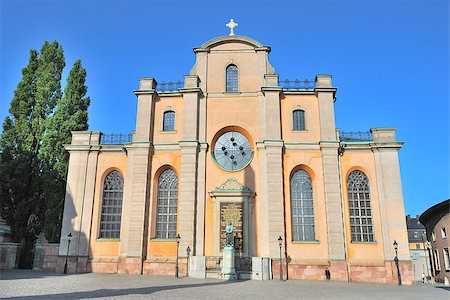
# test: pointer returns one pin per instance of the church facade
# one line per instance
(233, 144)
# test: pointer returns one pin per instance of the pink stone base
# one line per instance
(74, 264)
(165, 266)
(129, 265)
(382, 272)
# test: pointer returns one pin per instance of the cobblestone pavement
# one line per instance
(27, 284)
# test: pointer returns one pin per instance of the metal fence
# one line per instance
(297, 85)
(355, 136)
(169, 87)
(116, 138)
(213, 263)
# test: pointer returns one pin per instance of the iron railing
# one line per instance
(116, 138)
(243, 264)
(297, 85)
(169, 87)
(355, 136)
(213, 263)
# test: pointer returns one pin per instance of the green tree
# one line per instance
(21, 189)
(70, 115)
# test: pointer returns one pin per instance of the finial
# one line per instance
(231, 25)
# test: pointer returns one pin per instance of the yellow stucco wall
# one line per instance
(107, 162)
(362, 160)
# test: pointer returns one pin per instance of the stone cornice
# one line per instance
(191, 90)
(144, 92)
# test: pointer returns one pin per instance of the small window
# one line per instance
(416, 234)
(436, 260)
(169, 121)
(433, 236)
(417, 246)
(232, 78)
(443, 233)
(298, 120)
(446, 259)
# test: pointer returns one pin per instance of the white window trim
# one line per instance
(443, 233)
(436, 259)
(446, 258)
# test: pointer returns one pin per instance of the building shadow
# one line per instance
(14, 274)
(101, 293)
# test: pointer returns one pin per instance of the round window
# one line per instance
(232, 151)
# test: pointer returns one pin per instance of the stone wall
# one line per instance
(45, 257)
(383, 272)
(8, 255)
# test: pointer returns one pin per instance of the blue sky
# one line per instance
(389, 59)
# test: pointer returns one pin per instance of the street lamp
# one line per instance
(67, 254)
(188, 252)
(176, 263)
(396, 263)
(280, 243)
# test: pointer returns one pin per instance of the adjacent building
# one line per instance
(418, 246)
(437, 222)
(234, 144)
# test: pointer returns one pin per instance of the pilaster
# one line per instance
(270, 154)
(325, 94)
(79, 197)
(187, 207)
(135, 210)
(385, 149)
(333, 200)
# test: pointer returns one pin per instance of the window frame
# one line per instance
(302, 113)
(446, 255)
(443, 233)
(231, 85)
(436, 259)
(102, 233)
(357, 234)
(172, 201)
(301, 237)
(166, 113)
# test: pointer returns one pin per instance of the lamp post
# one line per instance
(188, 252)
(396, 263)
(176, 263)
(280, 243)
(67, 254)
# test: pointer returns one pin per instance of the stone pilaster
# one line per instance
(134, 229)
(270, 154)
(385, 149)
(187, 207)
(329, 145)
(79, 198)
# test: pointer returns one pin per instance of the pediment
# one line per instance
(232, 185)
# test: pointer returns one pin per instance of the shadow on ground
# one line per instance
(101, 293)
(25, 274)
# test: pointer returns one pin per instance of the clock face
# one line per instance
(232, 151)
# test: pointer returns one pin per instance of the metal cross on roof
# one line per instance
(231, 25)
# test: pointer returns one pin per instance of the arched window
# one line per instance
(111, 206)
(302, 207)
(167, 206)
(360, 207)
(232, 78)
(169, 121)
(298, 120)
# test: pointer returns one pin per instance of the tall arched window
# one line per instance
(360, 207)
(111, 206)
(302, 207)
(232, 78)
(169, 121)
(298, 120)
(166, 219)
